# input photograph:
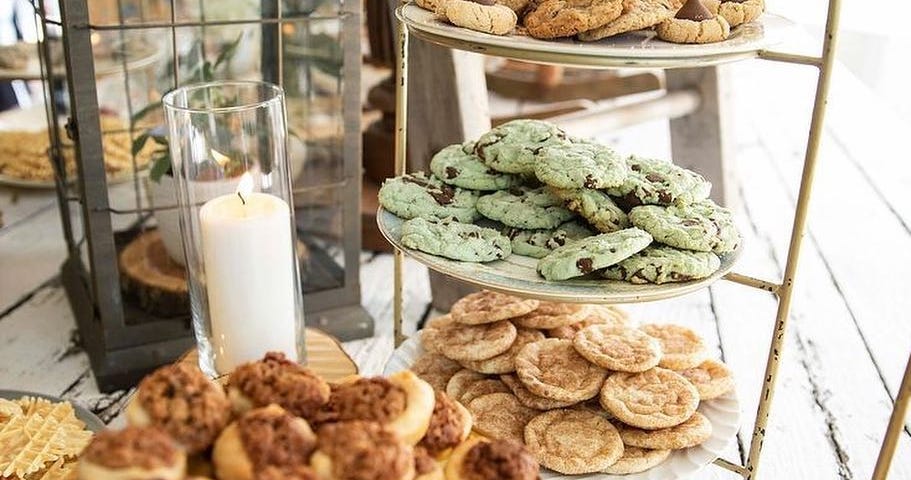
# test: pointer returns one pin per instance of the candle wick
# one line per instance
(242, 200)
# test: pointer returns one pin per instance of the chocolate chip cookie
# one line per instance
(593, 253)
(524, 207)
(417, 195)
(595, 206)
(565, 18)
(662, 264)
(580, 164)
(538, 243)
(703, 226)
(511, 147)
(459, 241)
(657, 182)
(457, 165)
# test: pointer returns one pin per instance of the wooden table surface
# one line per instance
(848, 340)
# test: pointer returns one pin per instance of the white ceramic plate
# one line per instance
(631, 49)
(724, 413)
(517, 275)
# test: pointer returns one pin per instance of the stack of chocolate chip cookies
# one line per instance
(580, 385)
(527, 188)
(277, 420)
(678, 21)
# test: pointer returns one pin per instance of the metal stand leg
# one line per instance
(797, 233)
(896, 425)
(401, 153)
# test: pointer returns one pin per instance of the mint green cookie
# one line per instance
(702, 226)
(511, 147)
(522, 207)
(662, 264)
(416, 195)
(656, 182)
(580, 164)
(458, 165)
(458, 241)
(539, 243)
(593, 253)
(595, 206)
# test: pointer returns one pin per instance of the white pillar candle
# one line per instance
(249, 276)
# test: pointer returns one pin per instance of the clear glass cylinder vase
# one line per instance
(228, 144)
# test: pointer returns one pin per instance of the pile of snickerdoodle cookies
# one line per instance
(678, 21)
(580, 385)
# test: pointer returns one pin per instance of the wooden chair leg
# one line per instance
(701, 140)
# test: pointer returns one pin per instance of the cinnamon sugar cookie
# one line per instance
(711, 378)
(430, 335)
(690, 433)
(573, 441)
(474, 342)
(482, 387)
(500, 416)
(636, 15)
(553, 315)
(565, 18)
(597, 315)
(656, 398)
(635, 460)
(488, 307)
(435, 369)
(681, 348)
(460, 381)
(694, 23)
(552, 368)
(529, 399)
(620, 349)
(506, 361)
(739, 12)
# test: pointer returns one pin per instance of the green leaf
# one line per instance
(144, 111)
(161, 164)
(208, 73)
(228, 52)
(139, 142)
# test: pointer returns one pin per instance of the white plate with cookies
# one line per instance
(723, 413)
(630, 49)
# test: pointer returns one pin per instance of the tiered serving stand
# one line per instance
(518, 277)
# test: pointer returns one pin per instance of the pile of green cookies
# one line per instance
(573, 203)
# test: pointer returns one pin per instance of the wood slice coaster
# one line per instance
(149, 275)
(325, 356)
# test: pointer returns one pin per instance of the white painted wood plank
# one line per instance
(18, 205)
(30, 255)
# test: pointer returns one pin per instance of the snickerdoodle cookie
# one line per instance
(635, 460)
(529, 399)
(711, 378)
(690, 433)
(681, 348)
(620, 349)
(553, 315)
(482, 387)
(552, 368)
(597, 315)
(431, 335)
(435, 369)
(573, 441)
(488, 307)
(656, 398)
(461, 380)
(506, 361)
(472, 342)
(500, 416)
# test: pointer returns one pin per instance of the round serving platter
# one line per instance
(517, 275)
(723, 412)
(635, 49)
(92, 422)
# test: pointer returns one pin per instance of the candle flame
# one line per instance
(245, 186)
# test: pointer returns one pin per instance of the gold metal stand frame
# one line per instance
(782, 290)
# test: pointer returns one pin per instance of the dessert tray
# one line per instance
(92, 422)
(637, 48)
(517, 275)
(723, 412)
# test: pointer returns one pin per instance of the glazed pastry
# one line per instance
(134, 453)
(361, 450)
(262, 438)
(478, 459)
(402, 403)
(275, 379)
(180, 400)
